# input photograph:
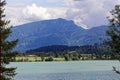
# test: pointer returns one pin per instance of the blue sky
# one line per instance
(85, 13)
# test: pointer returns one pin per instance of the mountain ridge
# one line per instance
(54, 32)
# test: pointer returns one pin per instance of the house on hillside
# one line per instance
(31, 55)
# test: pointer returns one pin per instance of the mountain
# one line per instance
(54, 32)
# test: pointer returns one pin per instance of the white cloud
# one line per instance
(83, 12)
(31, 13)
(35, 12)
(94, 12)
(15, 15)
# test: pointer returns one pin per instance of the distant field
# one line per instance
(35, 59)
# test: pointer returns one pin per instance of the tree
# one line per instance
(66, 56)
(6, 46)
(114, 33)
(114, 30)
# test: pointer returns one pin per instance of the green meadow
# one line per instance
(35, 59)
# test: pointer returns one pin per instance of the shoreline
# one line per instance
(67, 61)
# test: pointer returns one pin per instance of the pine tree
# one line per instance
(114, 30)
(6, 46)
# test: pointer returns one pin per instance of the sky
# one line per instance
(85, 13)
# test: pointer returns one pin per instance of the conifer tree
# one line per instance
(6, 46)
(114, 30)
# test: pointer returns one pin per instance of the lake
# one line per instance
(71, 70)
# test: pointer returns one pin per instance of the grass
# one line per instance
(35, 59)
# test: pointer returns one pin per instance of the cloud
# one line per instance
(35, 12)
(15, 15)
(21, 15)
(94, 12)
(86, 13)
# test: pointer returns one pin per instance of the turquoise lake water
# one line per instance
(71, 70)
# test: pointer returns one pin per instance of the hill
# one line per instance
(55, 32)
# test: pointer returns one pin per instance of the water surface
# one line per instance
(72, 70)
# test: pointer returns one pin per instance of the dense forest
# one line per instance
(62, 50)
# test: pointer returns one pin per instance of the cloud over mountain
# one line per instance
(87, 13)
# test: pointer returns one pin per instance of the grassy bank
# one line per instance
(35, 59)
